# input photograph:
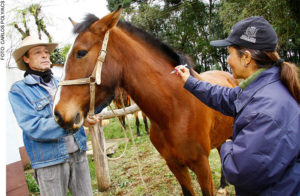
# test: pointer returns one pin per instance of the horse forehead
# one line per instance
(86, 39)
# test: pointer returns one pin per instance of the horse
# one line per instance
(183, 129)
(122, 99)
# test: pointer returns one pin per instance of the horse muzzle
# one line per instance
(71, 123)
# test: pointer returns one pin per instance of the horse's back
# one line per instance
(221, 78)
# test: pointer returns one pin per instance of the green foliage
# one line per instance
(59, 55)
(31, 183)
(35, 10)
(190, 25)
(56, 57)
(113, 4)
(278, 12)
(64, 51)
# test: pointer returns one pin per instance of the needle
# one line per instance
(174, 71)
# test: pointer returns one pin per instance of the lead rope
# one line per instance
(133, 142)
(124, 131)
(135, 147)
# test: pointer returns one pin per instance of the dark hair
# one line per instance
(27, 55)
(289, 75)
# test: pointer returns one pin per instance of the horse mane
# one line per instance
(85, 24)
(177, 57)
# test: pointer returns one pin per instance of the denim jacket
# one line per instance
(42, 136)
(264, 156)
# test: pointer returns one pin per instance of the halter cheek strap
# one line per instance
(101, 58)
(95, 78)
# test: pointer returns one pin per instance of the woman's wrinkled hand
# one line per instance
(183, 72)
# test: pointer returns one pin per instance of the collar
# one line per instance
(30, 80)
(244, 83)
(263, 79)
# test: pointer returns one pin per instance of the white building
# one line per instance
(15, 183)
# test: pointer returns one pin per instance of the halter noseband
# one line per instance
(95, 78)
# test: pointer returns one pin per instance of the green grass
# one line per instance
(160, 181)
(124, 175)
(31, 183)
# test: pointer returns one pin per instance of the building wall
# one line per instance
(13, 132)
(14, 138)
(15, 151)
(15, 176)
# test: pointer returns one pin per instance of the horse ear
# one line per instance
(72, 21)
(107, 22)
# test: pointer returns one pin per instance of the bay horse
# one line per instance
(183, 129)
(122, 99)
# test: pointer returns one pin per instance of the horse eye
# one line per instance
(81, 53)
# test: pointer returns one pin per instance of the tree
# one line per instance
(22, 27)
(188, 26)
(280, 13)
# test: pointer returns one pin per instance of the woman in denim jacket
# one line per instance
(57, 155)
(263, 157)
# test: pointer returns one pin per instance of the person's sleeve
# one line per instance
(259, 155)
(217, 97)
(31, 122)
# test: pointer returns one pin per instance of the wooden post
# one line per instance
(98, 144)
(100, 159)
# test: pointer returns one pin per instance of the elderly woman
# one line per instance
(263, 157)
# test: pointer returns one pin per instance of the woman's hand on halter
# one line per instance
(183, 72)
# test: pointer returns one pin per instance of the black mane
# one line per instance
(178, 58)
(85, 24)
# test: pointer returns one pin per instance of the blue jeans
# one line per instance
(74, 175)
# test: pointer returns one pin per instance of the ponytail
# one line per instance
(289, 75)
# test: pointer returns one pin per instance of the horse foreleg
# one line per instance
(122, 120)
(223, 181)
(201, 168)
(137, 123)
(160, 141)
(145, 122)
(183, 176)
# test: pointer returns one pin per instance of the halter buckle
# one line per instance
(92, 79)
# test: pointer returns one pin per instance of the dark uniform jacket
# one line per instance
(264, 156)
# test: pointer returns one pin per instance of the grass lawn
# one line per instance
(125, 178)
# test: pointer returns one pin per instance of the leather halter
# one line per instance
(94, 79)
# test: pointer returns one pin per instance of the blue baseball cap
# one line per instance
(253, 33)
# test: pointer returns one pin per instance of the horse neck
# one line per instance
(146, 76)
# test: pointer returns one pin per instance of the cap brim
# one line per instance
(221, 43)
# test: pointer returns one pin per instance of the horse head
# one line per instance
(71, 103)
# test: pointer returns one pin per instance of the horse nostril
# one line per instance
(58, 118)
(77, 118)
